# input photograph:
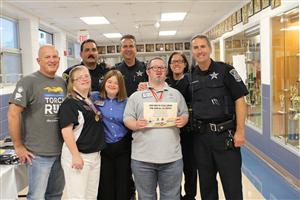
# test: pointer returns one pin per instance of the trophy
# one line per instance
(282, 103)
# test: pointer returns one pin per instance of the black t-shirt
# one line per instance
(181, 85)
(88, 133)
(97, 75)
(133, 75)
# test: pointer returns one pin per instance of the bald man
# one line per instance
(33, 106)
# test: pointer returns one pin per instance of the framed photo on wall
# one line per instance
(265, 3)
(149, 47)
(275, 3)
(187, 46)
(257, 6)
(245, 14)
(111, 49)
(250, 8)
(159, 47)
(233, 19)
(140, 48)
(101, 49)
(239, 16)
(169, 47)
(178, 46)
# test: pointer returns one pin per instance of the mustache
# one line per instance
(91, 56)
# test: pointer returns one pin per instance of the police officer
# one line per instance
(89, 56)
(219, 112)
(133, 70)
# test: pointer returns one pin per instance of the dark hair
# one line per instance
(201, 37)
(122, 94)
(186, 63)
(86, 41)
(128, 36)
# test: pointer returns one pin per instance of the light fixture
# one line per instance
(175, 16)
(166, 33)
(112, 35)
(291, 28)
(94, 20)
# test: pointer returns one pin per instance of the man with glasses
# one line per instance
(89, 56)
(133, 70)
(156, 152)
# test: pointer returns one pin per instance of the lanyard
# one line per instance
(90, 104)
(157, 98)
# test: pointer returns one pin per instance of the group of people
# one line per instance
(86, 132)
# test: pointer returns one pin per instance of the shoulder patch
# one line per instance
(235, 74)
(65, 76)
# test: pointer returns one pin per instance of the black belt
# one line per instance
(204, 127)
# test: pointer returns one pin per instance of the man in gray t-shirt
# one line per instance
(33, 125)
(156, 152)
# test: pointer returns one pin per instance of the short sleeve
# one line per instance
(22, 93)
(182, 107)
(68, 114)
(234, 83)
(129, 112)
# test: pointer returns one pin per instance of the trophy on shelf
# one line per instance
(294, 98)
(294, 115)
(282, 103)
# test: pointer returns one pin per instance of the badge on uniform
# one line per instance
(214, 75)
(99, 103)
(146, 94)
(235, 74)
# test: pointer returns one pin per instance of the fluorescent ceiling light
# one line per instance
(176, 16)
(94, 20)
(166, 33)
(112, 35)
(291, 28)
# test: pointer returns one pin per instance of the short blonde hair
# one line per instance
(122, 94)
(70, 90)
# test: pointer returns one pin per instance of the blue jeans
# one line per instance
(167, 175)
(46, 178)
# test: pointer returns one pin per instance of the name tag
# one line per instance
(146, 95)
(99, 103)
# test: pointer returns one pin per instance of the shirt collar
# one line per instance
(165, 88)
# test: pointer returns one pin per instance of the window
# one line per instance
(243, 52)
(10, 55)
(286, 78)
(45, 37)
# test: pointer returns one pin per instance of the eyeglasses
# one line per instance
(156, 68)
(84, 77)
(177, 62)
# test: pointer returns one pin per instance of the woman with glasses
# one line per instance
(83, 135)
(115, 158)
(178, 79)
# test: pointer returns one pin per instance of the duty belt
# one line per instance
(204, 127)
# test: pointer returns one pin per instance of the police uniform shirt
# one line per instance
(219, 74)
(97, 75)
(133, 75)
(88, 133)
